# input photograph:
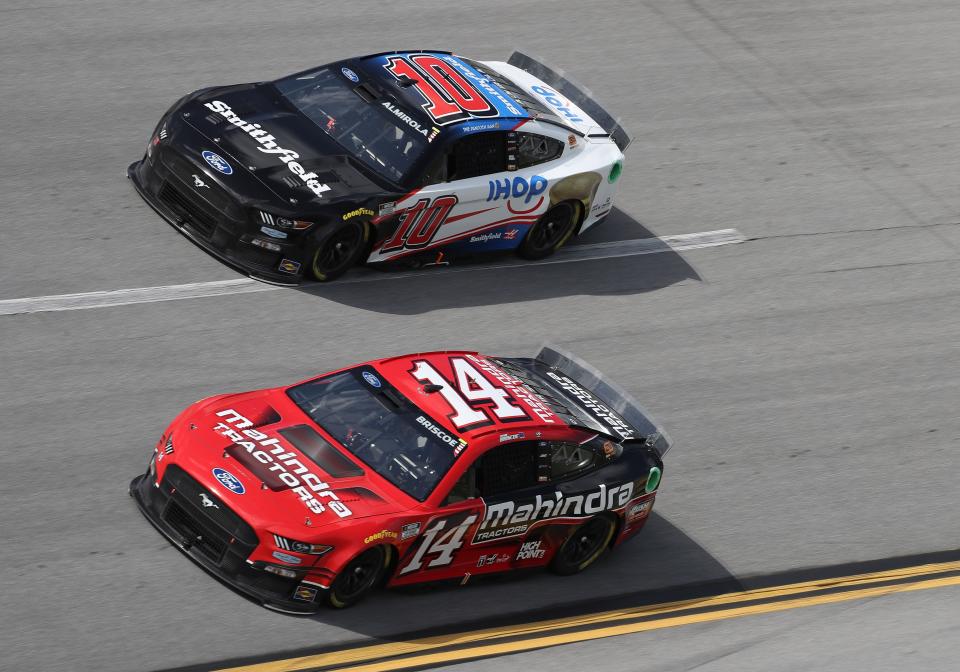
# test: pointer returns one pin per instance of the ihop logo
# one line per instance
(229, 481)
(217, 162)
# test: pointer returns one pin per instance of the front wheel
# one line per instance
(584, 546)
(550, 232)
(359, 577)
(338, 249)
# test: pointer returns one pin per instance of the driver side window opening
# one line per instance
(512, 466)
(533, 149)
(475, 155)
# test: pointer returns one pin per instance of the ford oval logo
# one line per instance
(229, 481)
(217, 162)
(371, 379)
(350, 74)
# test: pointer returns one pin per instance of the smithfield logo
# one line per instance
(217, 162)
(372, 379)
(229, 481)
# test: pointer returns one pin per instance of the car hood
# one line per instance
(262, 136)
(260, 454)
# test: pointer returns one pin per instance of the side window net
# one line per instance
(533, 149)
(475, 155)
(570, 458)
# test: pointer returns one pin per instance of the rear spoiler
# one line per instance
(578, 94)
(599, 396)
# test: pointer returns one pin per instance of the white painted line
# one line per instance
(196, 290)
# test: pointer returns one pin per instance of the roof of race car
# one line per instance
(448, 91)
(481, 379)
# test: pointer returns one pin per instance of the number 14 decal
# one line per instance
(444, 547)
(473, 398)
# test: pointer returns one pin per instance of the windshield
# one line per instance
(381, 428)
(369, 131)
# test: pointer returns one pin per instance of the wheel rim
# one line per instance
(587, 542)
(552, 229)
(338, 250)
(359, 576)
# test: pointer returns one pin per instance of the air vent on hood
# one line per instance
(214, 118)
(332, 461)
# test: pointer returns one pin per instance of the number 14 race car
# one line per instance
(426, 467)
(401, 158)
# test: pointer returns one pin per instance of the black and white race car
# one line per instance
(410, 158)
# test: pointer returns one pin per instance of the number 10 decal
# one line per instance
(420, 223)
(449, 96)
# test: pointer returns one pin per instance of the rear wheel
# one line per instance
(550, 232)
(584, 546)
(338, 250)
(359, 577)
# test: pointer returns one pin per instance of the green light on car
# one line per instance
(615, 172)
(653, 479)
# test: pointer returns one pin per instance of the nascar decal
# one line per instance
(277, 466)
(449, 96)
(606, 415)
(269, 146)
(511, 518)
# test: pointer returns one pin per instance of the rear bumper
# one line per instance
(205, 224)
(229, 566)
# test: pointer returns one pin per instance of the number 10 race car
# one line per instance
(425, 467)
(401, 158)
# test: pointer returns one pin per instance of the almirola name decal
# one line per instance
(269, 146)
(277, 466)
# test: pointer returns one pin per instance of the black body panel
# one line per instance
(215, 538)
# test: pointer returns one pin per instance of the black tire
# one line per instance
(338, 249)
(551, 231)
(359, 577)
(584, 546)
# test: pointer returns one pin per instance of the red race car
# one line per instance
(425, 467)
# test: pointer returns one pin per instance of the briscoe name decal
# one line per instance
(602, 412)
(269, 146)
(280, 463)
(451, 441)
(510, 518)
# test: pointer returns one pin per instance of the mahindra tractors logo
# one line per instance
(276, 465)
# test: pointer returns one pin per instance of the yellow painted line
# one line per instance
(461, 655)
(372, 652)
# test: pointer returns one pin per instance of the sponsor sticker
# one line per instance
(350, 74)
(287, 558)
(217, 162)
(229, 481)
(638, 510)
(371, 379)
(305, 593)
(531, 550)
(511, 234)
(387, 208)
(512, 437)
(357, 213)
(518, 187)
(382, 534)
(289, 266)
(273, 233)
(409, 530)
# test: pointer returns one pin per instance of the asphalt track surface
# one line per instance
(810, 377)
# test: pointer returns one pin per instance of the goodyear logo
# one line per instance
(384, 534)
(357, 213)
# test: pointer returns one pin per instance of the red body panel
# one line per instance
(286, 493)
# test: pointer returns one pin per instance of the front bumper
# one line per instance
(207, 220)
(218, 540)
